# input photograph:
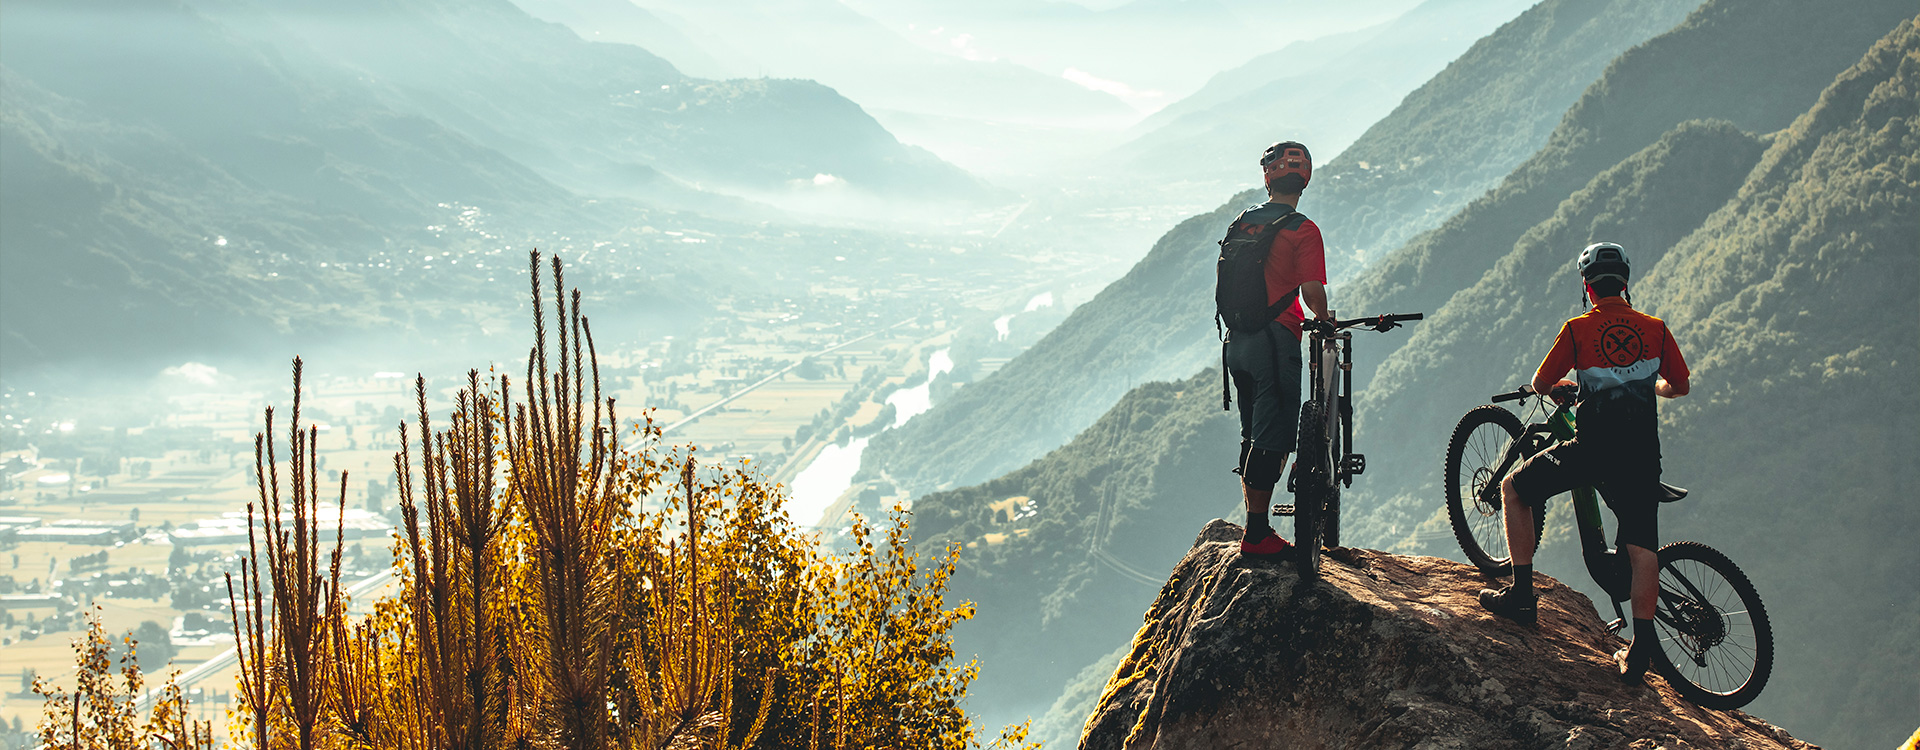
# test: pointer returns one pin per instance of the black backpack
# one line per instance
(1240, 288)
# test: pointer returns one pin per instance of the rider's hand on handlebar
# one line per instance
(1563, 391)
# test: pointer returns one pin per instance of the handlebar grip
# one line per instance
(1514, 396)
(1407, 316)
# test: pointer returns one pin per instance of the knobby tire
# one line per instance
(1474, 451)
(1708, 606)
(1310, 491)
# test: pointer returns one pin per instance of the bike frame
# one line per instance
(1331, 373)
(1608, 568)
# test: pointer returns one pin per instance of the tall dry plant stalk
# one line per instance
(282, 654)
(561, 459)
(453, 592)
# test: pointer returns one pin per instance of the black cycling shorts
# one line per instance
(1630, 486)
(1265, 367)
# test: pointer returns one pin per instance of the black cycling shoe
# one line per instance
(1520, 608)
(1633, 667)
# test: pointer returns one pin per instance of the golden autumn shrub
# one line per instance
(564, 588)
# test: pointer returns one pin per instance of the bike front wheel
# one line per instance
(1716, 644)
(1474, 452)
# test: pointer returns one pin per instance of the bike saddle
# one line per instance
(1672, 493)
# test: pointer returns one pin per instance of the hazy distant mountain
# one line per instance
(161, 170)
(1323, 93)
(1783, 264)
(184, 178)
(624, 22)
(829, 42)
(1495, 105)
(1148, 52)
(586, 114)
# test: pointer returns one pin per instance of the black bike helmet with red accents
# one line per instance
(1288, 166)
(1604, 260)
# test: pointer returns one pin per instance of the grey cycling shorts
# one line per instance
(1266, 384)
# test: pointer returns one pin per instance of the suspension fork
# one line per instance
(1346, 397)
(1510, 460)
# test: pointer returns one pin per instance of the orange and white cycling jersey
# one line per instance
(1616, 354)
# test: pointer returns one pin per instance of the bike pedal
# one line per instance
(1283, 510)
(1617, 624)
(1354, 464)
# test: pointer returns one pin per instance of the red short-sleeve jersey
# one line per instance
(1298, 256)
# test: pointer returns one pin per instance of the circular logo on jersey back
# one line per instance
(1620, 345)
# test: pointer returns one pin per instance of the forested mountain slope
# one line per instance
(1155, 322)
(1140, 328)
(1460, 134)
(1797, 304)
(1756, 63)
(1793, 303)
(1493, 333)
(1059, 587)
(1785, 266)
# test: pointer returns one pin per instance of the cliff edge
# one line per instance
(1385, 651)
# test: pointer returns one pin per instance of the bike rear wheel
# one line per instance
(1313, 476)
(1474, 451)
(1716, 643)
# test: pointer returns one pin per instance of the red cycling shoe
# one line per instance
(1268, 546)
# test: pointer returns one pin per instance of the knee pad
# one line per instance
(1260, 468)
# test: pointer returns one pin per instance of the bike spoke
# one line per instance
(1693, 595)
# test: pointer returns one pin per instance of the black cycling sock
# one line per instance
(1257, 526)
(1523, 580)
(1642, 633)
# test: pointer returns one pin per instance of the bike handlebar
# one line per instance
(1380, 323)
(1562, 391)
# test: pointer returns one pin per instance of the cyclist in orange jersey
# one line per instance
(1621, 359)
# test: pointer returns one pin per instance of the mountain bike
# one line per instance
(1325, 461)
(1716, 644)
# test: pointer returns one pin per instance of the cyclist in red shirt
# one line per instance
(1265, 365)
(1622, 358)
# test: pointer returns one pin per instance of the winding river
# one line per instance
(829, 475)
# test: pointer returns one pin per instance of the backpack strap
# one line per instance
(1267, 236)
(1271, 235)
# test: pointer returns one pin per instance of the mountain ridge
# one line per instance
(1153, 323)
(1783, 265)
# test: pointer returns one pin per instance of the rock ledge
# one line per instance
(1385, 651)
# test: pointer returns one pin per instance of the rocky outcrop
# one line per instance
(1384, 651)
